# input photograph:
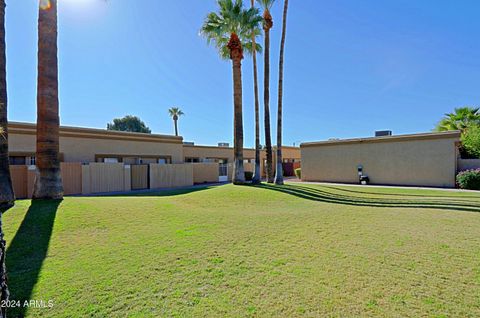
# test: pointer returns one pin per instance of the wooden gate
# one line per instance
(19, 181)
(139, 177)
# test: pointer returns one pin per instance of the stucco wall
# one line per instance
(81, 145)
(204, 152)
(468, 164)
(415, 160)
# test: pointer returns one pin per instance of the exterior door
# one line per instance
(223, 170)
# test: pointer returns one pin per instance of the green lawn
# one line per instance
(313, 251)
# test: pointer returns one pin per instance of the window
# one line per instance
(31, 161)
(190, 160)
(110, 160)
(17, 161)
(164, 160)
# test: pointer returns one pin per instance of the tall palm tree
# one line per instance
(279, 170)
(460, 119)
(267, 25)
(7, 196)
(6, 190)
(230, 30)
(48, 183)
(175, 113)
(257, 178)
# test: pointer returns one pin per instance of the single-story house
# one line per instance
(428, 159)
(87, 145)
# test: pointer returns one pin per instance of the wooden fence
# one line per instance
(106, 177)
(205, 172)
(23, 179)
(117, 177)
(170, 176)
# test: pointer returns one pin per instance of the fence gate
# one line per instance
(139, 177)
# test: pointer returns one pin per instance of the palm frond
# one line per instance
(266, 4)
(232, 18)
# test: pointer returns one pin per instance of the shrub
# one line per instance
(248, 176)
(298, 173)
(471, 143)
(469, 179)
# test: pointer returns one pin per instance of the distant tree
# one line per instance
(129, 123)
(175, 113)
(460, 119)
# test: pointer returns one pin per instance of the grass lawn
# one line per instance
(298, 250)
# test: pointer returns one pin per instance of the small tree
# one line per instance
(471, 142)
(129, 123)
(461, 119)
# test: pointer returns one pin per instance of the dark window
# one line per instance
(190, 160)
(17, 161)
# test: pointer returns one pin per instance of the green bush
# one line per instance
(471, 142)
(469, 179)
(298, 173)
(248, 176)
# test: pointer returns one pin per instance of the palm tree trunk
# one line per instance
(238, 170)
(48, 182)
(256, 174)
(176, 126)
(266, 97)
(7, 196)
(6, 191)
(236, 54)
(279, 171)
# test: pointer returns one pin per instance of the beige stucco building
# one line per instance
(86, 145)
(428, 159)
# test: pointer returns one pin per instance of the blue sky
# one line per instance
(352, 67)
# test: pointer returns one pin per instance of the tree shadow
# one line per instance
(158, 192)
(324, 195)
(362, 191)
(27, 251)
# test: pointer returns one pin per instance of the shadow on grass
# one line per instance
(324, 194)
(161, 193)
(442, 195)
(27, 251)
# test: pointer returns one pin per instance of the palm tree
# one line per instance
(279, 170)
(257, 178)
(230, 30)
(48, 183)
(175, 112)
(7, 197)
(460, 119)
(267, 25)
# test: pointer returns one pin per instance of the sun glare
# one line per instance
(45, 4)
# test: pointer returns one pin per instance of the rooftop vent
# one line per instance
(223, 144)
(383, 133)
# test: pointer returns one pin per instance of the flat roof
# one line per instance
(231, 148)
(395, 138)
(95, 133)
